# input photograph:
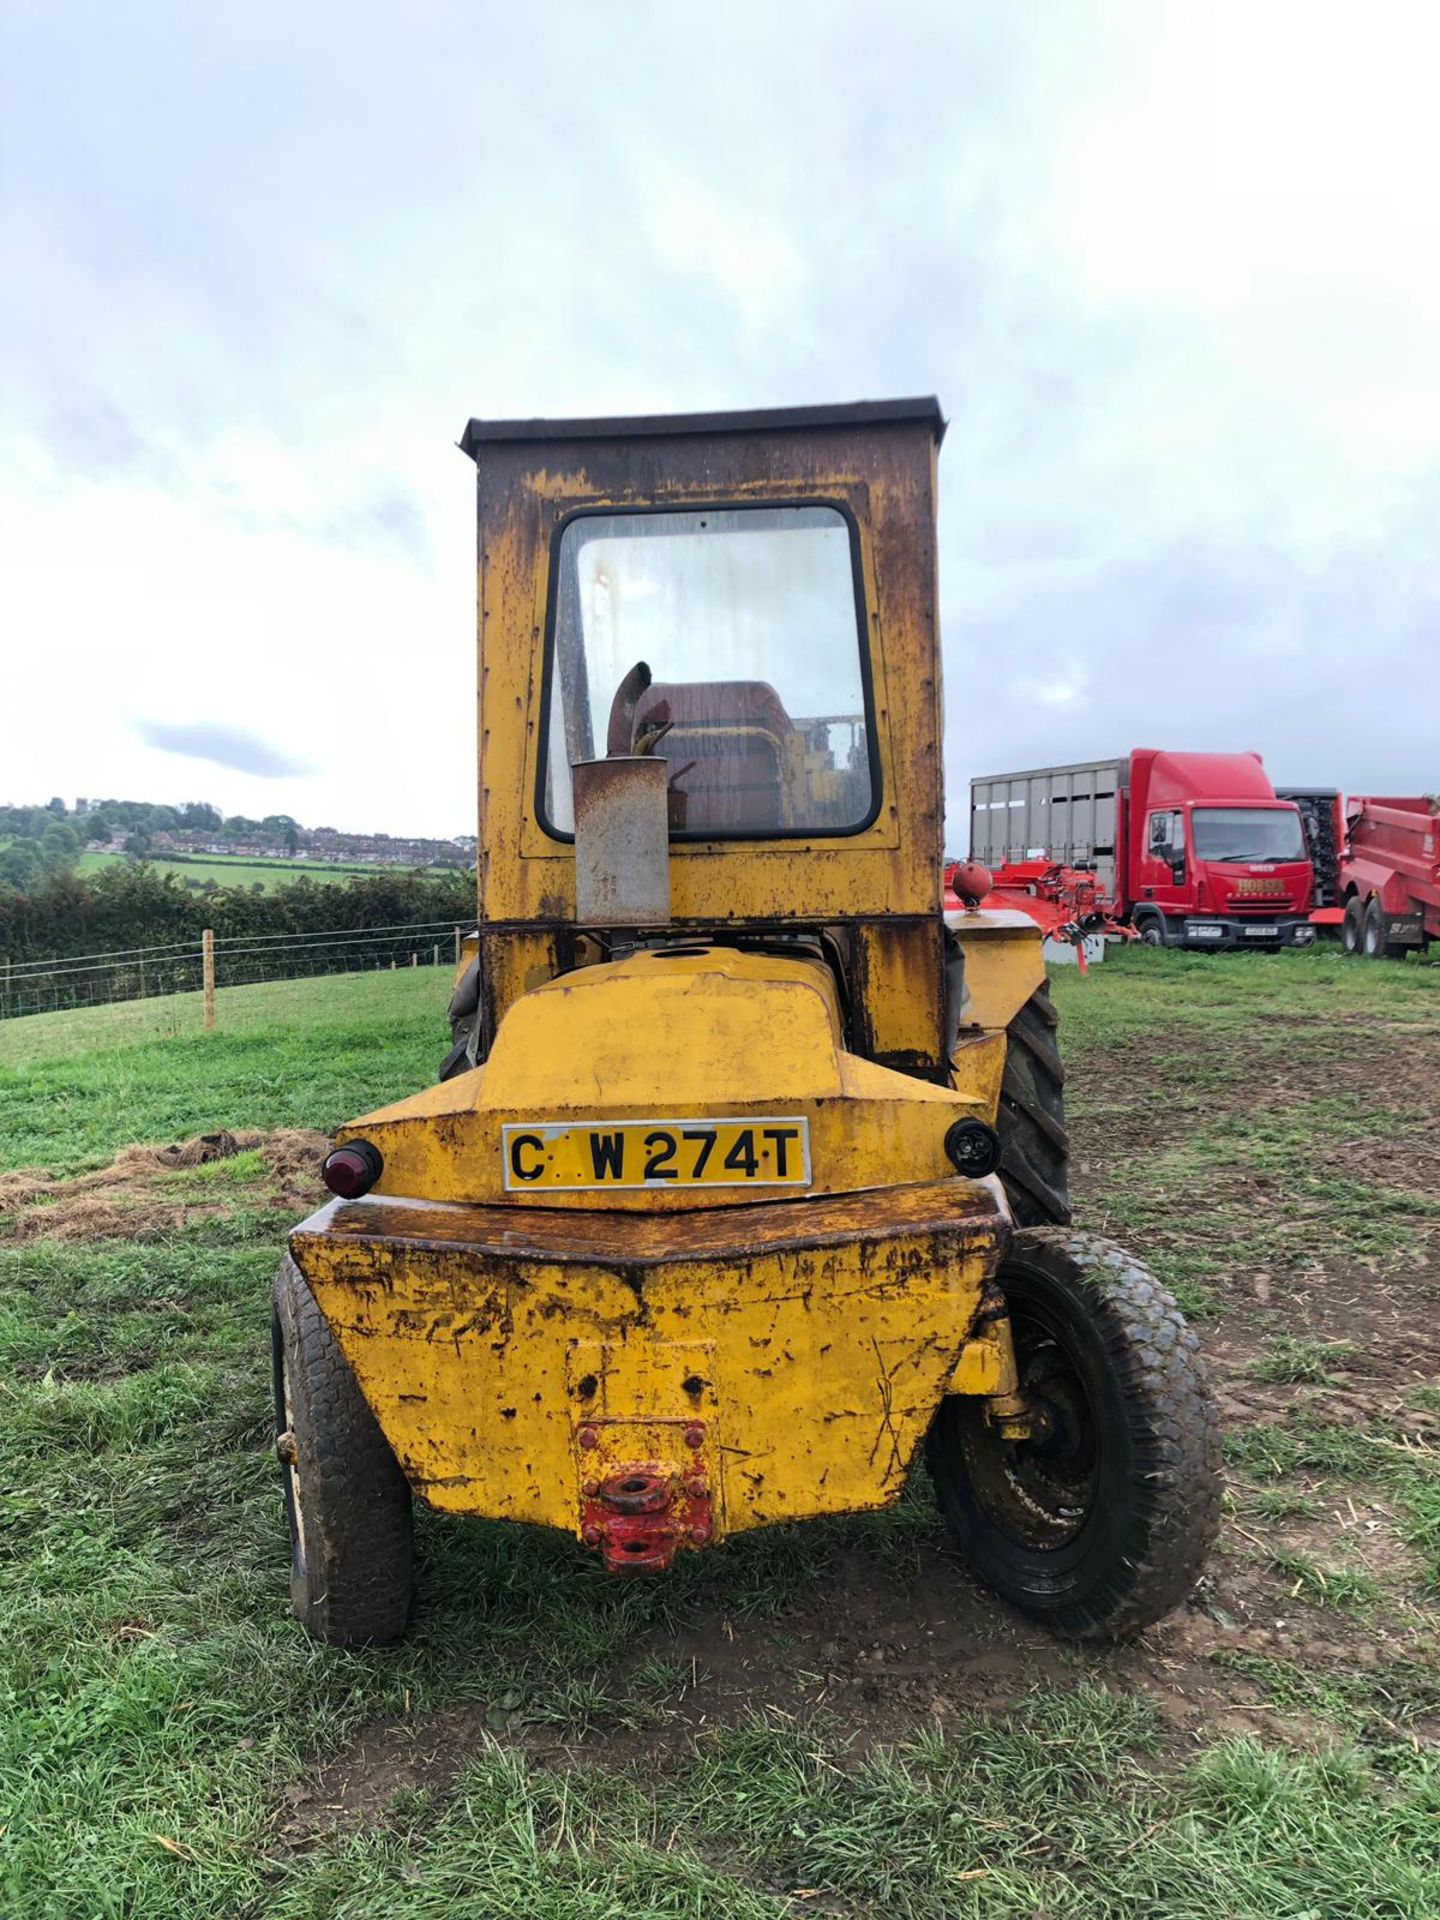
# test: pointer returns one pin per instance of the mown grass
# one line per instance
(157, 1701)
(75, 1086)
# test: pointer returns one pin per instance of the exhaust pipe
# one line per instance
(622, 842)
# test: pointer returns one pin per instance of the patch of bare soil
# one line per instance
(892, 1641)
(137, 1198)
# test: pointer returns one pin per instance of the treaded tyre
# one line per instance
(1099, 1522)
(1151, 929)
(1375, 933)
(1034, 1146)
(346, 1500)
(462, 1013)
(1351, 927)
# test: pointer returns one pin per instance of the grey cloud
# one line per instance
(1331, 671)
(412, 221)
(222, 746)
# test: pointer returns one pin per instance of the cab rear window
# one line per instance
(729, 642)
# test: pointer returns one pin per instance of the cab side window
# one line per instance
(1167, 837)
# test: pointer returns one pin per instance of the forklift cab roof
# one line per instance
(854, 413)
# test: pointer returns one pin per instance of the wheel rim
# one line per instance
(1040, 1491)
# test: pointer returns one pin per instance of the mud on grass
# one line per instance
(147, 1192)
(828, 1719)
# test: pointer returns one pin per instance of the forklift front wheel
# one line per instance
(346, 1500)
(1099, 1520)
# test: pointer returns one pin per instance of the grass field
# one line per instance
(226, 872)
(823, 1720)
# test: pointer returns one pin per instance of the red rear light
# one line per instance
(352, 1169)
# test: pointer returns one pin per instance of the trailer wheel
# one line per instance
(346, 1500)
(1034, 1146)
(1375, 934)
(1352, 926)
(1099, 1522)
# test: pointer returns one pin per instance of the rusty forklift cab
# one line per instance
(744, 1175)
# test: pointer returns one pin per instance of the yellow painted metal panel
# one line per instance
(690, 1036)
(832, 1330)
(1004, 965)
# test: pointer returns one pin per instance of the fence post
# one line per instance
(457, 946)
(207, 964)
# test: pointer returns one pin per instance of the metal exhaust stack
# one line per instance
(622, 842)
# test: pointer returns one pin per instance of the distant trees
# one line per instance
(35, 841)
(58, 914)
(282, 830)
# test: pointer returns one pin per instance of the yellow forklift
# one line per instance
(744, 1181)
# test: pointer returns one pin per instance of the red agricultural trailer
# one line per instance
(1377, 868)
(1390, 875)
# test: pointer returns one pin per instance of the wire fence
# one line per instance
(246, 959)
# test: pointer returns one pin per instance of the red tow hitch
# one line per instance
(640, 1515)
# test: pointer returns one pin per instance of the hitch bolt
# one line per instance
(592, 1536)
(590, 1489)
(695, 1434)
(699, 1535)
(589, 1438)
(695, 1489)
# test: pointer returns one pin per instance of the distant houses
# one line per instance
(318, 846)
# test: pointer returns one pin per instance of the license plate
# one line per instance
(569, 1156)
(1262, 933)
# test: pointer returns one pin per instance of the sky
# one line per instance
(1173, 271)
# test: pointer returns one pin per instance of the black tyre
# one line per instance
(463, 1013)
(1352, 926)
(1375, 933)
(346, 1500)
(1151, 929)
(1034, 1146)
(1099, 1522)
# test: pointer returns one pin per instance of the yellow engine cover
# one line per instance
(688, 1033)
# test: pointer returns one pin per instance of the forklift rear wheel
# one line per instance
(1097, 1523)
(1034, 1146)
(1351, 927)
(346, 1499)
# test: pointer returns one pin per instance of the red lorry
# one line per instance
(1195, 848)
(1377, 868)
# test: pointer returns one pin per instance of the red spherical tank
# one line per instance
(971, 882)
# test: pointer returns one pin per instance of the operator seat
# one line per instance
(727, 742)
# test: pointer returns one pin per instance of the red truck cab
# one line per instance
(1209, 857)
